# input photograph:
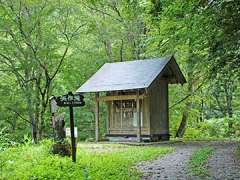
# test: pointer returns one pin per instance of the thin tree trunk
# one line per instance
(37, 110)
(44, 102)
(183, 124)
(30, 106)
(108, 47)
(121, 51)
(34, 125)
(181, 129)
(221, 107)
(202, 113)
(42, 118)
(228, 93)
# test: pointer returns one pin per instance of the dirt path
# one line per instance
(174, 166)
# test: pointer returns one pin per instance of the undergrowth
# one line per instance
(199, 159)
(36, 162)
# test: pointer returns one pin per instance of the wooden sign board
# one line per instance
(70, 99)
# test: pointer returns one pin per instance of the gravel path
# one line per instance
(223, 165)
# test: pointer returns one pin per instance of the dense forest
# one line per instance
(52, 47)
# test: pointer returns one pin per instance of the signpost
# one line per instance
(69, 100)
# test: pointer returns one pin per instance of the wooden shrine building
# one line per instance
(136, 94)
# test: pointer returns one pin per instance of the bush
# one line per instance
(214, 128)
(5, 140)
(192, 133)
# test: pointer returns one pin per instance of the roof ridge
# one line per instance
(137, 60)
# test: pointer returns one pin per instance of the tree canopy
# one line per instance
(52, 47)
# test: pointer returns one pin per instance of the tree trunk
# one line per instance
(182, 127)
(30, 106)
(202, 113)
(42, 118)
(37, 108)
(108, 47)
(34, 124)
(228, 93)
(121, 51)
(221, 107)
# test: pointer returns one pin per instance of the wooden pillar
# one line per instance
(138, 118)
(108, 116)
(167, 113)
(73, 139)
(97, 118)
(121, 117)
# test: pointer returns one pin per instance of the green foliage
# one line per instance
(214, 128)
(6, 140)
(192, 133)
(37, 40)
(199, 159)
(106, 162)
(202, 35)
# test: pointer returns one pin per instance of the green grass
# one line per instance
(198, 159)
(94, 161)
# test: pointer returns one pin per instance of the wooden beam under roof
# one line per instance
(119, 97)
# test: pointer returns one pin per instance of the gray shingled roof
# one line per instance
(125, 75)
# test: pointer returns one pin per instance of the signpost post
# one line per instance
(70, 100)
